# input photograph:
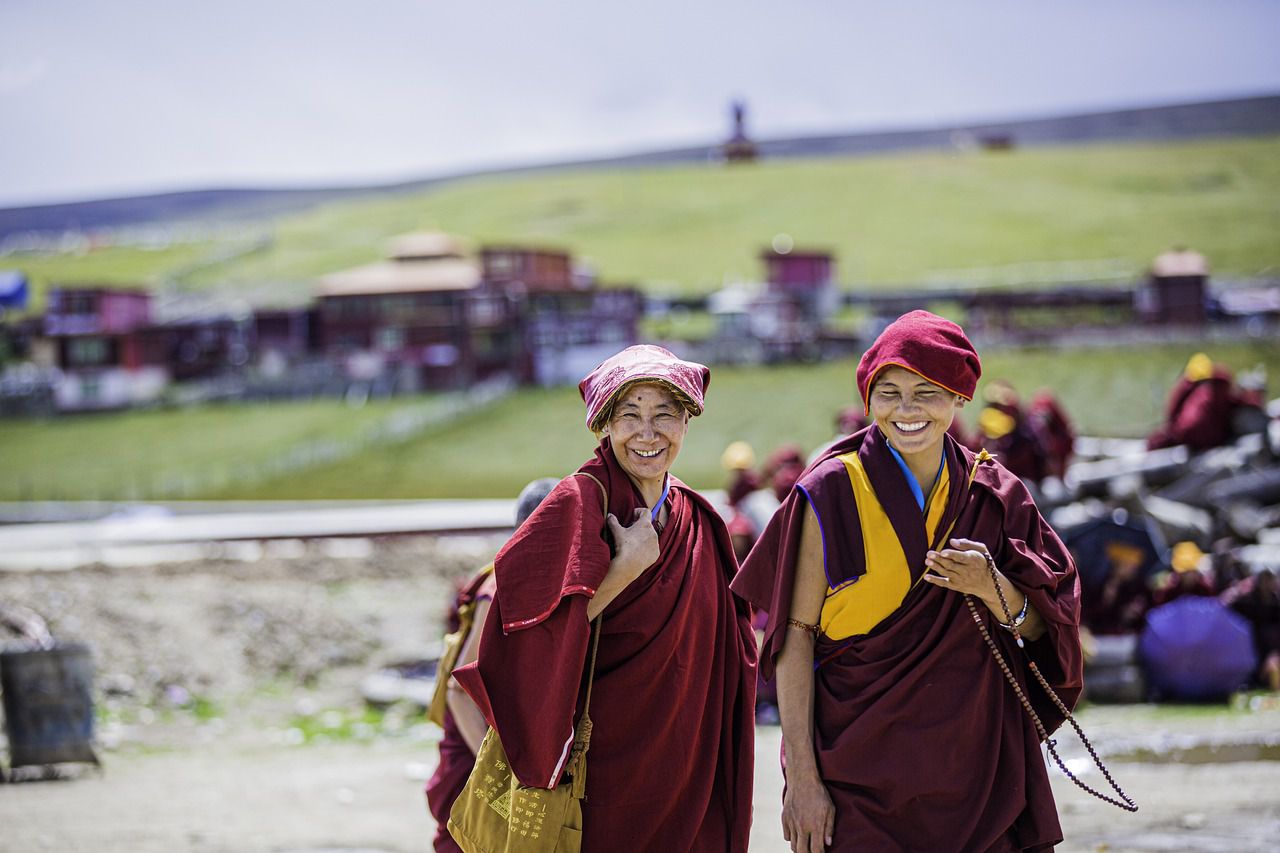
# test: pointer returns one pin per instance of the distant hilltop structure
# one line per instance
(739, 148)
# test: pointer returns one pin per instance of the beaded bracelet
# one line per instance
(1019, 619)
(804, 626)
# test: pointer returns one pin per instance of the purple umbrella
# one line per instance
(1195, 648)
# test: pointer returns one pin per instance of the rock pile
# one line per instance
(280, 614)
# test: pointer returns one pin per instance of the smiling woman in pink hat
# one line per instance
(671, 765)
(899, 728)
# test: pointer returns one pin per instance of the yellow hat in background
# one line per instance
(1186, 557)
(995, 423)
(1199, 367)
(738, 456)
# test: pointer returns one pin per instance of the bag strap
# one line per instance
(596, 624)
(577, 764)
(591, 672)
(453, 642)
(604, 493)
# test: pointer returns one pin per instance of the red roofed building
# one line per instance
(424, 316)
(568, 324)
(434, 317)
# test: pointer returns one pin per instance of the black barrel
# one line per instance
(48, 705)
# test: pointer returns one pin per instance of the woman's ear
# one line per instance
(960, 401)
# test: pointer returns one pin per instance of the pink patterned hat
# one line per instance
(688, 380)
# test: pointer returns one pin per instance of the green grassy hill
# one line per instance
(903, 218)
(236, 451)
(891, 219)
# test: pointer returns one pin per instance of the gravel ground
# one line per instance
(230, 717)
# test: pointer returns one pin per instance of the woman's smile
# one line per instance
(914, 414)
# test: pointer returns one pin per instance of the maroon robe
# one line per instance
(1119, 606)
(1019, 450)
(1199, 413)
(1176, 585)
(456, 758)
(1054, 430)
(671, 763)
(744, 482)
(448, 782)
(919, 739)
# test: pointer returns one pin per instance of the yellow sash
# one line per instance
(856, 608)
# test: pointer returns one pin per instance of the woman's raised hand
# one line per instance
(635, 549)
(637, 545)
(808, 815)
(962, 567)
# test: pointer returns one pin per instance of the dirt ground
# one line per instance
(231, 718)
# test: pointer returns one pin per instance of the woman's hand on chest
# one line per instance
(637, 546)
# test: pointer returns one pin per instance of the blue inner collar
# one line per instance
(916, 490)
(657, 508)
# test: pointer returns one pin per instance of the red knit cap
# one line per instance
(927, 345)
(688, 380)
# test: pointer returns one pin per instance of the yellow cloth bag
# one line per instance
(496, 814)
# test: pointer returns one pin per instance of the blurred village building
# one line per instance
(432, 316)
(111, 351)
(435, 317)
(785, 318)
(1176, 290)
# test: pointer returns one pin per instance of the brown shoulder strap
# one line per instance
(591, 672)
(604, 493)
(577, 766)
(595, 628)
(582, 736)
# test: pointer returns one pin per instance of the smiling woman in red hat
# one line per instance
(900, 731)
(671, 763)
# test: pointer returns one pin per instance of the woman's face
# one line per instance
(912, 412)
(646, 430)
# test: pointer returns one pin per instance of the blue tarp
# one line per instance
(14, 291)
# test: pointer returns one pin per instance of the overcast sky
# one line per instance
(103, 98)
